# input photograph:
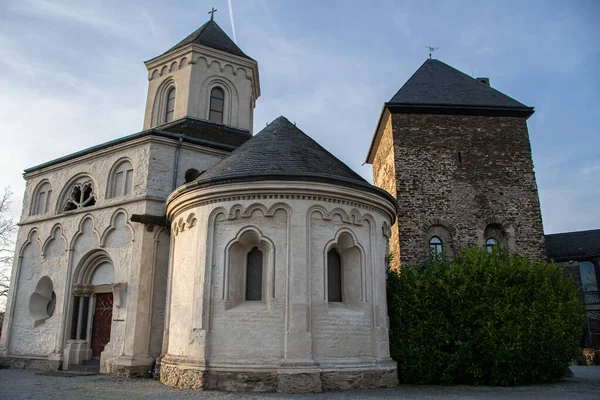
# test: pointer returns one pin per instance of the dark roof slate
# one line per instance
(573, 245)
(211, 35)
(281, 151)
(436, 83)
(206, 130)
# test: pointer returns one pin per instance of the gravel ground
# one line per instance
(24, 384)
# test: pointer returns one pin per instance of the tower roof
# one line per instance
(281, 151)
(211, 35)
(438, 84)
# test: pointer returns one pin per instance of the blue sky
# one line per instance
(72, 74)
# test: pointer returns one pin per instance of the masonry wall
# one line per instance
(457, 176)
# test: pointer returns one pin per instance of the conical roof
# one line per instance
(211, 35)
(281, 151)
(438, 84)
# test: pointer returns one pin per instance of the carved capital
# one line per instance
(82, 290)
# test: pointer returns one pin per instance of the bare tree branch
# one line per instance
(8, 229)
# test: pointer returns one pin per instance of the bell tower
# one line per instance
(206, 77)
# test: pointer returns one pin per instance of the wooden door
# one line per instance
(102, 323)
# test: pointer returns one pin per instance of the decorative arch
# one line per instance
(352, 269)
(57, 233)
(159, 108)
(79, 192)
(42, 196)
(84, 272)
(33, 237)
(93, 288)
(113, 226)
(82, 231)
(120, 179)
(235, 276)
(230, 102)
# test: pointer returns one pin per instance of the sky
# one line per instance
(72, 75)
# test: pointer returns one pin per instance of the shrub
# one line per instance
(494, 319)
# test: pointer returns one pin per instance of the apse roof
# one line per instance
(573, 245)
(211, 35)
(281, 151)
(436, 83)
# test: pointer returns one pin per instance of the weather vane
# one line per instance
(212, 13)
(431, 50)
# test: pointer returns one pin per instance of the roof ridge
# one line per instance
(210, 34)
(436, 83)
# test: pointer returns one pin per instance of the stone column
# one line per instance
(298, 370)
(134, 360)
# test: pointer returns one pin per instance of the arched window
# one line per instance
(334, 276)
(254, 272)
(217, 101)
(170, 109)
(435, 246)
(121, 180)
(81, 195)
(490, 244)
(41, 199)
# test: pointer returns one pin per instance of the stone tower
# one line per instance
(206, 76)
(456, 155)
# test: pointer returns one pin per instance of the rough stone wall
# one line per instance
(464, 173)
(384, 176)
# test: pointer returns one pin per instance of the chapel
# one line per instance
(218, 258)
(211, 256)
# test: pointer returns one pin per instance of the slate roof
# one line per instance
(208, 131)
(211, 35)
(573, 245)
(281, 151)
(436, 83)
(195, 131)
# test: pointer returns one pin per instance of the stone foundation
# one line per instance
(126, 371)
(287, 381)
(29, 363)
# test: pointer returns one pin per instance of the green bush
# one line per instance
(493, 319)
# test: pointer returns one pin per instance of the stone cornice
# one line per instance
(181, 200)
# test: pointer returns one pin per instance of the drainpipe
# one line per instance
(176, 164)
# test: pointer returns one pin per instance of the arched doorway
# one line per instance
(91, 308)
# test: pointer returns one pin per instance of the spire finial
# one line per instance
(431, 50)
(212, 13)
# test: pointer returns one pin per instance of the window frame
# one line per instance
(125, 189)
(436, 248)
(170, 106)
(43, 187)
(490, 243)
(338, 296)
(220, 111)
(257, 286)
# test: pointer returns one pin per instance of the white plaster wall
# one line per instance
(38, 340)
(297, 323)
(162, 161)
(104, 226)
(251, 330)
(194, 71)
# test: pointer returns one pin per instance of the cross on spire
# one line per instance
(212, 13)
(431, 50)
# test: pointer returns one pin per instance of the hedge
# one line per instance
(493, 319)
